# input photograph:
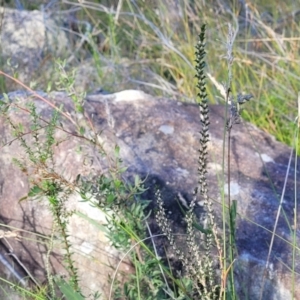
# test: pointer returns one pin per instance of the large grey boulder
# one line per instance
(29, 41)
(158, 139)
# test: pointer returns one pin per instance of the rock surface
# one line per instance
(158, 139)
(29, 39)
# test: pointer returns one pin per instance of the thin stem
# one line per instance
(228, 169)
(275, 225)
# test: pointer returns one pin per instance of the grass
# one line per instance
(153, 48)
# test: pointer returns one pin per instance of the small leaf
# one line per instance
(77, 178)
(110, 198)
(67, 290)
(117, 183)
(34, 191)
(79, 108)
(137, 180)
(233, 213)
(82, 130)
(122, 170)
(23, 198)
(117, 150)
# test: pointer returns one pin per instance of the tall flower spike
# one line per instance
(204, 134)
(204, 112)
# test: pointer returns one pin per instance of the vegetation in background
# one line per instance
(150, 45)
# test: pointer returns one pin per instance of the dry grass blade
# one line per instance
(276, 223)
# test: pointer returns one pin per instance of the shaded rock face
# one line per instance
(158, 139)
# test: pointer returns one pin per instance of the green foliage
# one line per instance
(126, 223)
(66, 82)
(49, 185)
(140, 34)
(126, 211)
(134, 44)
(68, 290)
